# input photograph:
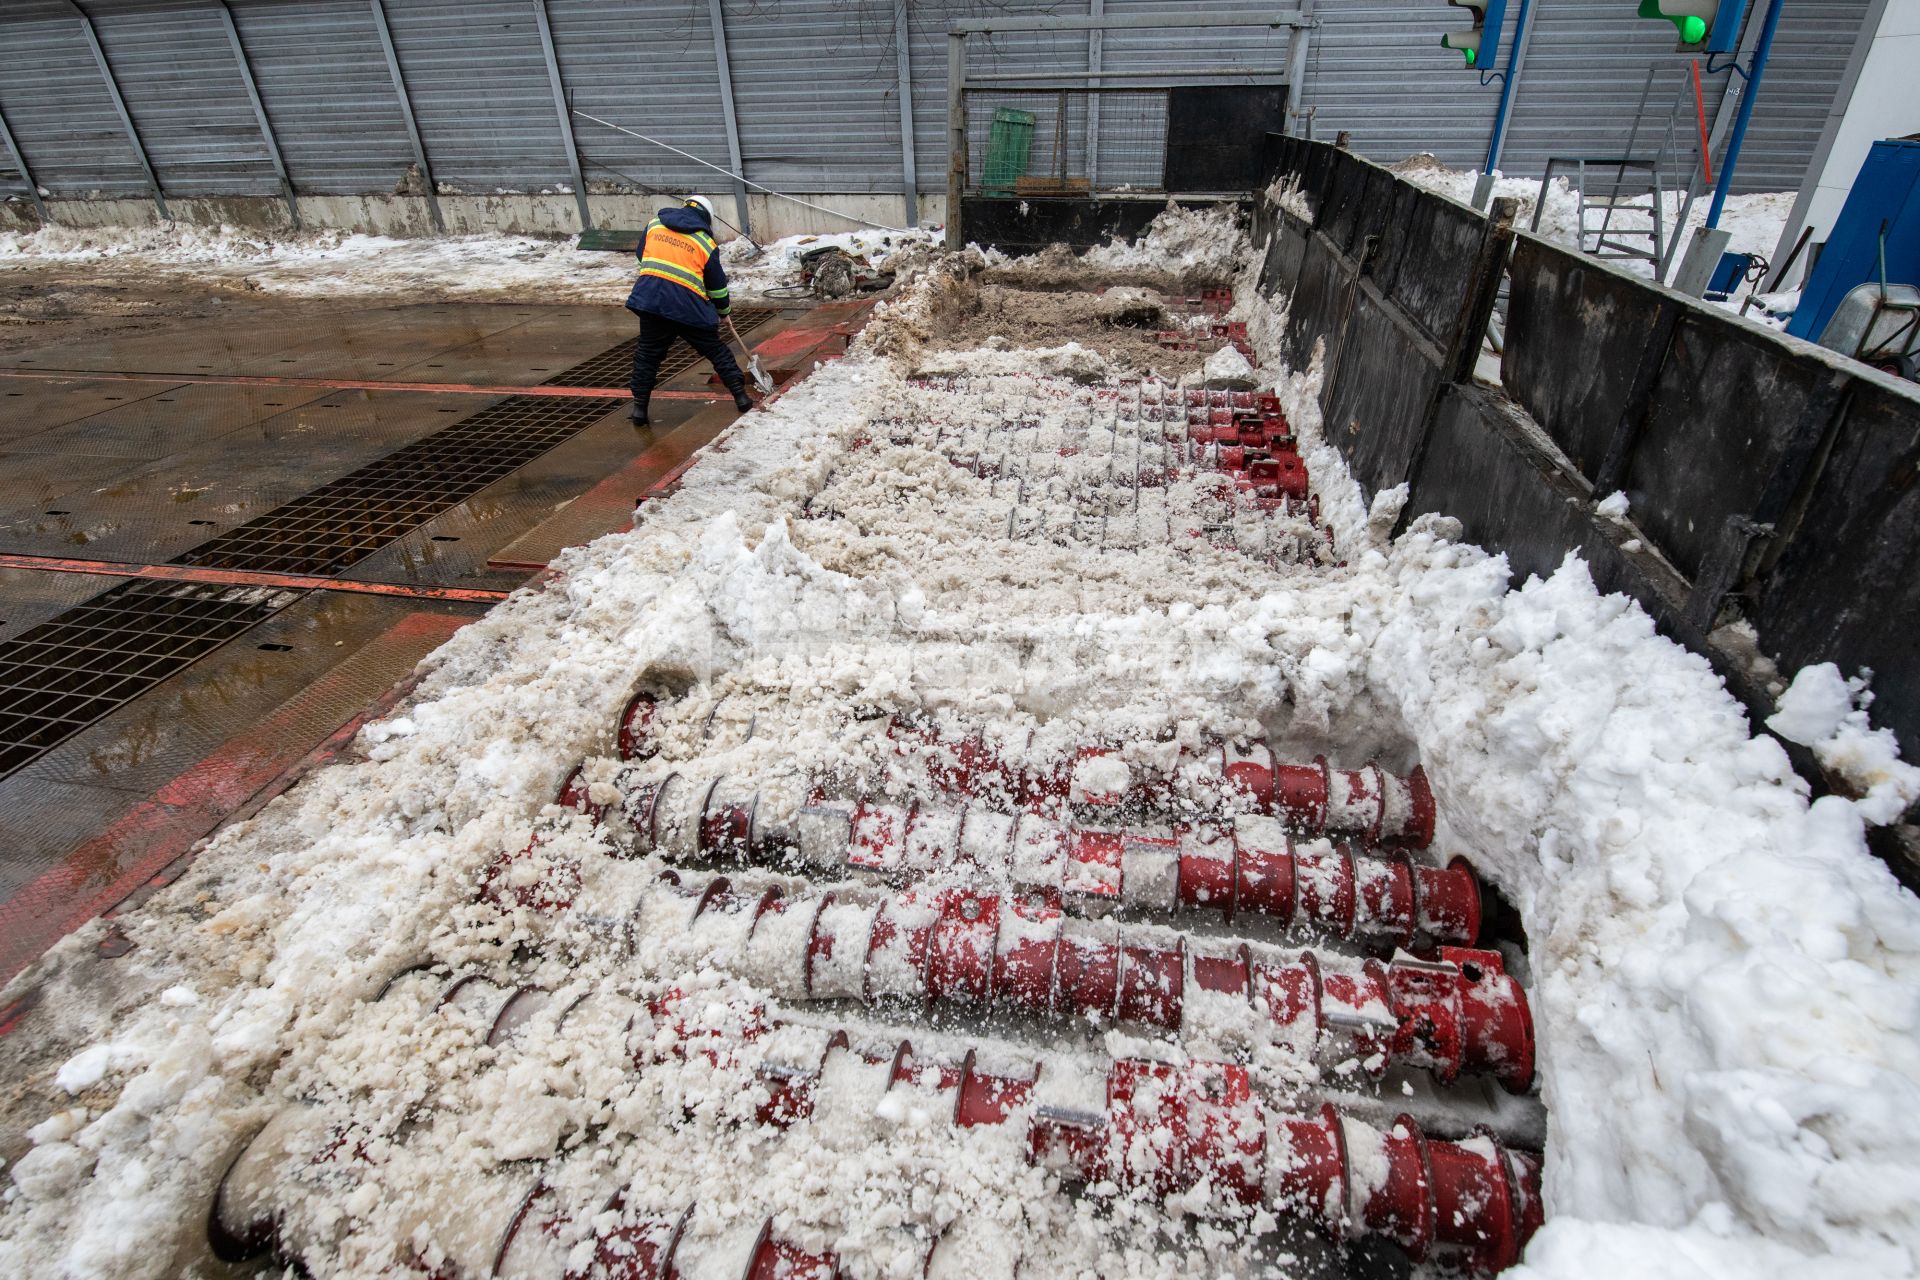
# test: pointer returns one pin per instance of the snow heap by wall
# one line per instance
(333, 263)
(1753, 220)
(1725, 979)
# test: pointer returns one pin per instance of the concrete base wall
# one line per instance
(516, 213)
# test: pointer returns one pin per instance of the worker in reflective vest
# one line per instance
(681, 293)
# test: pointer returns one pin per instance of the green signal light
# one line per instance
(1472, 56)
(1691, 27)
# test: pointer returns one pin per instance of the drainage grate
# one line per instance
(614, 368)
(334, 526)
(61, 676)
(70, 671)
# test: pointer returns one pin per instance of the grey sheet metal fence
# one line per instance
(818, 88)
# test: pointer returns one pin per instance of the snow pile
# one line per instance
(1559, 219)
(1754, 220)
(1181, 248)
(336, 263)
(332, 263)
(1822, 710)
(1183, 241)
(1725, 976)
(1287, 195)
(1726, 982)
(756, 268)
(1227, 367)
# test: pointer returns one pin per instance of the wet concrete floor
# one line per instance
(98, 473)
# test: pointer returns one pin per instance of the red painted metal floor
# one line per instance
(128, 460)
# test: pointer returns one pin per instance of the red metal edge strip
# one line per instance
(347, 384)
(235, 780)
(246, 578)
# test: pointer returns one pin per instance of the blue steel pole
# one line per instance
(1507, 83)
(1754, 71)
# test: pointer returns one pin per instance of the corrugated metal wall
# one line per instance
(646, 65)
(1809, 55)
(478, 81)
(58, 106)
(825, 120)
(182, 84)
(337, 117)
(814, 83)
(1586, 65)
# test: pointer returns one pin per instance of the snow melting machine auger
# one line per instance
(1123, 466)
(969, 886)
(1163, 1127)
(1368, 804)
(1458, 1013)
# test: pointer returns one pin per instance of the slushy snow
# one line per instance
(334, 263)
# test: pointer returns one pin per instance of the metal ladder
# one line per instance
(1628, 191)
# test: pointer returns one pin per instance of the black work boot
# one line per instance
(637, 412)
(741, 400)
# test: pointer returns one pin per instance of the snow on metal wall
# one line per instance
(336, 117)
(182, 85)
(645, 65)
(57, 104)
(814, 82)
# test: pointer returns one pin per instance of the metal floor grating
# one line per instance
(338, 524)
(76, 668)
(614, 368)
(61, 676)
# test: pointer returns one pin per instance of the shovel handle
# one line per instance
(758, 380)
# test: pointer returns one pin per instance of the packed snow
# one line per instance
(1726, 981)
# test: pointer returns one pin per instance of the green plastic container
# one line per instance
(1009, 142)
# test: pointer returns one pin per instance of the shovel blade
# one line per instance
(759, 375)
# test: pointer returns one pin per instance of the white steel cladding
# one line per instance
(815, 87)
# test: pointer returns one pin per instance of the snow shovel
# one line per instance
(761, 381)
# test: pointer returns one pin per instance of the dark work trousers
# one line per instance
(656, 338)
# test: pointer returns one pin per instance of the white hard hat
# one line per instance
(701, 203)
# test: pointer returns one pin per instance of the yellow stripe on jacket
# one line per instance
(673, 255)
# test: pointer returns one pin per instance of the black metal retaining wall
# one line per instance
(1770, 482)
(1020, 225)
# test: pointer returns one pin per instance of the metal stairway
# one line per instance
(1621, 206)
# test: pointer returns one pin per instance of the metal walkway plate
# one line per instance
(61, 676)
(338, 524)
